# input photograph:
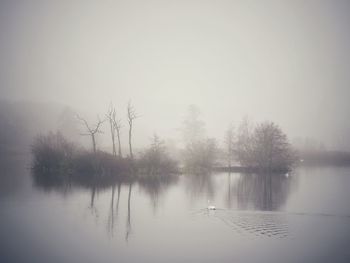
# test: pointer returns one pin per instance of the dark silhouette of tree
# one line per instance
(155, 160)
(111, 113)
(117, 126)
(271, 147)
(91, 130)
(53, 154)
(265, 147)
(131, 116)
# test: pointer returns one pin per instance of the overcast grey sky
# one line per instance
(285, 61)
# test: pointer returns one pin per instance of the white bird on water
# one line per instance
(211, 207)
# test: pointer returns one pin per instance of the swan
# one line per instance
(211, 207)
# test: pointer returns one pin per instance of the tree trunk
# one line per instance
(113, 139)
(93, 142)
(130, 148)
(119, 145)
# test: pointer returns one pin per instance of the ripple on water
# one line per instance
(258, 224)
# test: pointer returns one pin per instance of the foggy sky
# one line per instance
(285, 61)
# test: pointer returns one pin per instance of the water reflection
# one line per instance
(255, 224)
(92, 202)
(128, 220)
(126, 214)
(249, 202)
(154, 186)
(113, 211)
(111, 216)
(228, 196)
(200, 185)
(266, 192)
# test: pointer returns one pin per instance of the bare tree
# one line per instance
(230, 142)
(111, 113)
(117, 126)
(91, 130)
(131, 116)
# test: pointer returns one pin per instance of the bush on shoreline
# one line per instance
(57, 160)
(264, 147)
(155, 160)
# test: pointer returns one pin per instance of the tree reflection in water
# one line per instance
(128, 220)
(113, 214)
(229, 195)
(92, 201)
(155, 186)
(200, 185)
(110, 222)
(265, 192)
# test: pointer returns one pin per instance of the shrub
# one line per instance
(99, 164)
(52, 152)
(200, 156)
(156, 160)
(265, 147)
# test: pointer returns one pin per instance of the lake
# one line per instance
(303, 216)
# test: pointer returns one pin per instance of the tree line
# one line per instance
(256, 147)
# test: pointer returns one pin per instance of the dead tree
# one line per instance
(131, 116)
(117, 126)
(91, 131)
(111, 118)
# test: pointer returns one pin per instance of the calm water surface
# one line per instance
(300, 217)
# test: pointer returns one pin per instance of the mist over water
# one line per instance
(282, 61)
(174, 131)
(257, 219)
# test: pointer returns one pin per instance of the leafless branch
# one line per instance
(91, 131)
(131, 115)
